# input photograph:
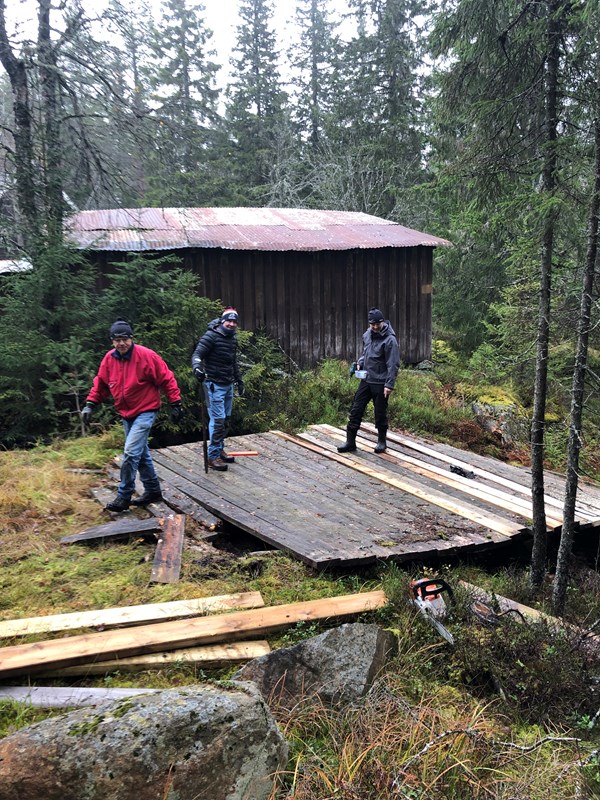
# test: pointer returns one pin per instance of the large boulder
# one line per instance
(195, 742)
(338, 666)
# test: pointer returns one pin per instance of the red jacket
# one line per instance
(135, 382)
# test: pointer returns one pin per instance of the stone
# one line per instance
(338, 666)
(191, 743)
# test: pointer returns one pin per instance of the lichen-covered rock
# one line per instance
(339, 665)
(195, 742)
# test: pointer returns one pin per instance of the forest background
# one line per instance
(472, 120)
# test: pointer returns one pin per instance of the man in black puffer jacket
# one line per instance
(381, 362)
(215, 366)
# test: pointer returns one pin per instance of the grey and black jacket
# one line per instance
(216, 354)
(381, 355)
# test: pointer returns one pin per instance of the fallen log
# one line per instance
(30, 658)
(589, 641)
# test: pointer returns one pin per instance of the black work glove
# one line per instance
(241, 388)
(352, 368)
(177, 412)
(199, 374)
(86, 413)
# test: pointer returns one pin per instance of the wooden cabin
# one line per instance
(307, 277)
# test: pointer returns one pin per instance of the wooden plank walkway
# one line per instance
(327, 509)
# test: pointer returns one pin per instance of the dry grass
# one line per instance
(446, 747)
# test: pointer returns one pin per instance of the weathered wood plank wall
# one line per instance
(315, 303)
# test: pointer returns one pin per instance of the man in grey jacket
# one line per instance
(381, 360)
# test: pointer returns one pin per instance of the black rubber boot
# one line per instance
(349, 445)
(381, 440)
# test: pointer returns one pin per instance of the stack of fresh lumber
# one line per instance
(165, 633)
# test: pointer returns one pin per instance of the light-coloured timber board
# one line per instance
(129, 615)
(122, 642)
(210, 656)
(66, 697)
(520, 483)
(166, 567)
(491, 521)
(516, 504)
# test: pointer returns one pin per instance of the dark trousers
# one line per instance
(365, 393)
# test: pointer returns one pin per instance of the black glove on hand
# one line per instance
(241, 388)
(86, 413)
(352, 368)
(199, 375)
(177, 412)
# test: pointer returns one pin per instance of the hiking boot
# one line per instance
(147, 498)
(227, 459)
(217, 464)
(117, 505)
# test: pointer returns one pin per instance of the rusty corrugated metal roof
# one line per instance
(135, 229)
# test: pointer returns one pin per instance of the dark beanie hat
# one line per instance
(120, 328)
(229, 313)
(375, 315)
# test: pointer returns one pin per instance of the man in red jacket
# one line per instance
(135, 376)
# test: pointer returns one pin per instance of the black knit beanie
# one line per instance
(120, 328)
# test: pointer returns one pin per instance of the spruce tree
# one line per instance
(256, 100)
(182, 82)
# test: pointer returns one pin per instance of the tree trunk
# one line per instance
(577, 398)
(51, 121)
(538, 556)
(23, 139)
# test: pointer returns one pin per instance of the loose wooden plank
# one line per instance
(515, 504)
(118, 529)
(209, 656)
(490, 521)
(167, 559)
(129, 615)
(66, 697)
(470, 465)
(122, 642)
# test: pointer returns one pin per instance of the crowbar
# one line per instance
(204, 424)
(242, 453)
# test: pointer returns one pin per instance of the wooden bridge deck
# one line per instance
(328, 509)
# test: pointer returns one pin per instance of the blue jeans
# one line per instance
(219, 401)
(136, 456)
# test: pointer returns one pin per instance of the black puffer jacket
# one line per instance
(381, 355)
(216, 354)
